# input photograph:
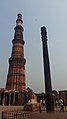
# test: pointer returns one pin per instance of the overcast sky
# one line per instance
(36, 13)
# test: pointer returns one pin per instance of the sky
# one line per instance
(36, 13)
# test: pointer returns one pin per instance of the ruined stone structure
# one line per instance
(11, 97)
(16, 73)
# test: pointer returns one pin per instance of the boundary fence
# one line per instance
(17, 114)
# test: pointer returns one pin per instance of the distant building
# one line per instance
(40, 96)
(63, 95)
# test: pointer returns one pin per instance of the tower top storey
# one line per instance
(19, 20)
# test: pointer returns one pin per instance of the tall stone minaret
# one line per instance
(16, 72)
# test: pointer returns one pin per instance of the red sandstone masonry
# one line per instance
(16, 72)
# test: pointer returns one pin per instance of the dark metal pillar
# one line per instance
(48, 86)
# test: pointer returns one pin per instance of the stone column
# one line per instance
(9, 98)
(0, 98)
(14, 99)
(4, 98)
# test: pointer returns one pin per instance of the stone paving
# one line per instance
(44, 115)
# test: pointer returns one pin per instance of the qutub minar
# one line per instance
(16, 74)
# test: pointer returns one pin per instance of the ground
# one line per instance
(37, 115)
(44, 115)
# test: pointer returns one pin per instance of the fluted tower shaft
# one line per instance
(16, 72)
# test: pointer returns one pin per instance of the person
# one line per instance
(61, 105)
(56, 104)
(40, 106)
